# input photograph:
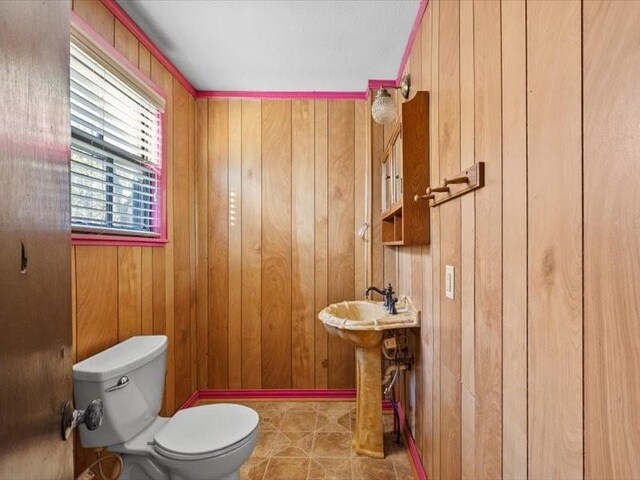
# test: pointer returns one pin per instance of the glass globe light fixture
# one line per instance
(383, 109)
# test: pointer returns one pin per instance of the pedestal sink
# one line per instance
(363, 323)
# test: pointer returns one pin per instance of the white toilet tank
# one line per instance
(129, 379)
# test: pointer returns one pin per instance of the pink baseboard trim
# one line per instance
(142, 37)
(282, 95)
(320, 394)
(281, 394)
(191, 401)
(412, 38)
(416, 460)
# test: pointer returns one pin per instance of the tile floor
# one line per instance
(310, 440)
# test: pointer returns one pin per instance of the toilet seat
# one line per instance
(207, 431)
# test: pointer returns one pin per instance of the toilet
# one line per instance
(201, 443)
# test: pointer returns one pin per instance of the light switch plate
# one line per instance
(449, 282)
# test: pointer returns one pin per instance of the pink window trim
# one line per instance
(98, 239)
(114, 54)
(122, 16)
(78, 238)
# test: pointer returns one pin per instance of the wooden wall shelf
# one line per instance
(405, 173)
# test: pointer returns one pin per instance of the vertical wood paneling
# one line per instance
(425, 394)
(159, 292)
(146, 293)
(377, 152)
(514, 248)
(415, 277)
(235, 243)
(158, 254)
(202, 222)
(340, 222)
(488, 288)
(160, 295)
(321, 239)
(144, 60)
(449, 140)
(169, 303)
(74, 307)
(96, 299)
(144, 286)
(129, 292)
(434, 169)
(97, 16)
(302, 220)
(611, 225)
(218, 243)
(362, 115)
(251, 243)
(276, 244)
(193, 274)
(467, 253)
(125, 43)
(181, 245)
(555, 243)
(268, 171)
(172, 290)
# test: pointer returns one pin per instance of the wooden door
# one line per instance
(35, 313)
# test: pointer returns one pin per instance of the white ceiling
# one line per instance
(275, 45)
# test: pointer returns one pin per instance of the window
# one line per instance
(116, 150)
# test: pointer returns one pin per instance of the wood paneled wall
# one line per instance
(539, 338)
(265, 198)
(280, 197)
(122, 291)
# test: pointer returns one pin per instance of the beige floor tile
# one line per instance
(287, 469)
(333, 421)
(269, 405)
(293, 444)
(364, 468)
(254, 469)
(301, 406)
(404, 470)
(312, 440)
(336, 445)
(265, 443)
(335, 406)
(330, 469)
(270, 420)
(301, 421)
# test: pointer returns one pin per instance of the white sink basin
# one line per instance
(363, 315)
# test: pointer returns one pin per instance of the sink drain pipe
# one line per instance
(390, 378)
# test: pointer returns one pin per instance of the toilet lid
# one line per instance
(206, 429)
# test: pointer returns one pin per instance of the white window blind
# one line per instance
(116, 148)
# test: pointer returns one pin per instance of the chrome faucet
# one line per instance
(389, 298)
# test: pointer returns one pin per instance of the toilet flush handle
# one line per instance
(122, 382)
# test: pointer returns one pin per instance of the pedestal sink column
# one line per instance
(367, 438)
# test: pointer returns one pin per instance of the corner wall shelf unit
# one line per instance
(405, 173)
